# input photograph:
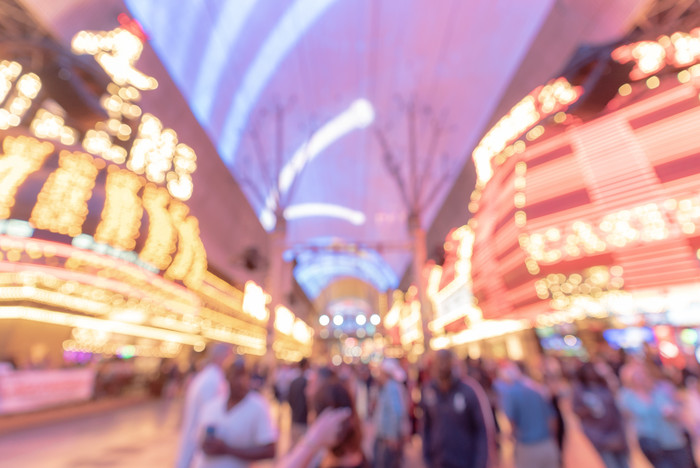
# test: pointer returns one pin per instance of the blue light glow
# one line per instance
(292, 27)
(315, 270)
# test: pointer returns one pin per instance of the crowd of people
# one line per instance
(462, 413)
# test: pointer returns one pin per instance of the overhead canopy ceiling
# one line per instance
(305, 99)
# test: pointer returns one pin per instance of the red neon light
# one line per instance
(133, 26)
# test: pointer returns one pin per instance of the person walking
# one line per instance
(296, 396)
(390, 416)
(532, 418)
(235, 429)
(454, 431)
(601, 420)
(207, 384)
(655, 417)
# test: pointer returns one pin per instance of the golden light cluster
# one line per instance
(62, 203)
(593, 282)
(649, 57)
(642, 224)
(480, 331)
(116, 51)
(162, 235)
(21, 157)
(17, 102)
(294, 339)
(255, 301)
(284, 320)
(302, 332)
(157, 154)
(190, 262)
(123, 209)
(410, 324)
(49, 126)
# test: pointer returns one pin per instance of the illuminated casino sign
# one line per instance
(595, 217)
(126, 167)
(95, 234)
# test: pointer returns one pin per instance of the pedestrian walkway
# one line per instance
(145, 434)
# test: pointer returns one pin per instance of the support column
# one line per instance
(420, 256)
(274, 281)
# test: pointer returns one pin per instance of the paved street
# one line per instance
(145, 435)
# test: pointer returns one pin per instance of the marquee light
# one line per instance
(144, 299)
(71, 320)
(284, 320)
(543, 101)
(650, 57)
(255, 301)
(638, 225)
(286, 33)
(484, 330)
(308, 210)
(392, 317)
(302, 332)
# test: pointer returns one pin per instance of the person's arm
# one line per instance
(213, 446)
(323, 433)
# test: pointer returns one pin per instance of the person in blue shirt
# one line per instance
(390, 415)
(532, 419)
(455, 433)
(654, 414)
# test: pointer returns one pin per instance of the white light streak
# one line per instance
(307, 210)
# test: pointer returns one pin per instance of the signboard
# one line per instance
(31, 390)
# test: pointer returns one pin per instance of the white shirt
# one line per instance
(248, 424)
(209, 383)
